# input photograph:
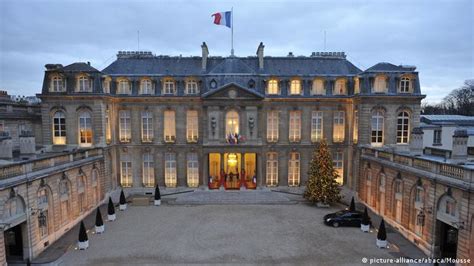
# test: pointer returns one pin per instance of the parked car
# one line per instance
(344, 218)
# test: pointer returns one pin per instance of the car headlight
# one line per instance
(328, 220)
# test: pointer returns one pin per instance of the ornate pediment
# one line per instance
(232, 91)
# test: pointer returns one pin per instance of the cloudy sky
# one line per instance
(436, 36)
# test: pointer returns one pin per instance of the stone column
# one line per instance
(205, 169)
(283, 168)
(6, 147)
(416, 141)
(260, 171)
(459, 152)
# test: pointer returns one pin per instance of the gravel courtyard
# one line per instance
(226, 234)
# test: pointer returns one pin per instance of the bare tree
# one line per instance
(459, 101)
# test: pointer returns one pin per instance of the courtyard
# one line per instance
(227, 234)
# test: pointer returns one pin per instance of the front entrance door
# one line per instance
(14, 244)
(232, 170)
(448, 240)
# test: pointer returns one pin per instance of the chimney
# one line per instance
(459, 152)
(290, 54)
(27, 143)
(205, 53)
(260, 55)
(6, 146)
(416, 141)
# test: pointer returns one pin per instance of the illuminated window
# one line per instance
(272, 169)
(356, 127)
(340, 87)
(170, 170)
(403, 128)
(192, 126)
(193, 170)
(232, 123)
(108, 134)
(81, 195)
(295, 126)
(169, 87)
(148, 170)
(84, 84)
(272, 126)
(318, 87)
(57, 84)
(125, 127)
(170, 126)
(146, 87)
(294, 169)
(295, 87)
(316, 126)
(192, 87)
(59, 128)
(85, 129)
(124, 87)
(356, 86)
(125, 171)
(380, 85)
(377, 128)
(405, 85)
(338, 126)
(272, 87)
(338, 163)
(147, 126)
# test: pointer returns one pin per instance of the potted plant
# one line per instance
(83, 242)
(382, 236)
(122, 202)
(157, 196)
(111, 211)
(365, 224)
(99, 223)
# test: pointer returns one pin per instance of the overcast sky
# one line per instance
(435, 36)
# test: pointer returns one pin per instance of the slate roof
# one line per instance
(387, 67)
(232, 65)
(451, 119)
(79, 67)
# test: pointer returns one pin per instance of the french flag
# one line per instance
(223, 18)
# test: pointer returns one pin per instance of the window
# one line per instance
(64, 201)
(295, 87)
(419, 194)
(231, 123)
(108, 134)
(437, 137)
(272, 126)
(356, 86)
(272, 87)
(125, 127)
(382, 182)
(403, 128)
(81, 199)
(106, 85)
(42, 198)
(146, 87)
(147, 126)
(59, 128)
(124, 87)
(450, 207)
(170, 170)
(338, 126)
(272, 169)
(169, 87)
(294, 169)
(125, 171)
(398, 186)
(380, 85)
(356, 127)
(43, 223)
(316, 126)
(170, 127)
(318, 87)
(84, 84)
(192, 87)
(57, 84)
(85, 129)
(377, 128)
(340, 87)
(295, 126)
(405, 85)
(193, 170)
(148, 170)
(192, 126)
(338, 163)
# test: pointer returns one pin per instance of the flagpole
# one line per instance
(232, 32)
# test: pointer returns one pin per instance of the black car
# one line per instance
(344, 218)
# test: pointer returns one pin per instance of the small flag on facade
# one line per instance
(223, 18)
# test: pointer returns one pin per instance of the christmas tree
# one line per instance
(322, 186)
(122, 200)
(82, 233)
(365, 218)
(382, 233)
(98, 218)
(110, 207)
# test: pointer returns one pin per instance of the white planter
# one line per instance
(123, 207)
(99, 229)
(157, 202)
(381, 243)
(322, 205)
(365, 227)
(111, 217)
(83, 245)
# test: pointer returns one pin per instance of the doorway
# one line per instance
(14, 244)
(448, 240)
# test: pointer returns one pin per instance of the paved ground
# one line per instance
(232, 234)
(232, 197)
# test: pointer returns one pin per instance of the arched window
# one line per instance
(147, 126)
(148, 170)
(64, 201)
(43, 217)
(272, 87)
(84, 84)
(405, 85)
(13, 208)
(340, 87)
(59, 128)
(380, 85)
(295, 87)
(403, 128)
(85, 129)
(232, 123)
(377, 128)
(146, 87)
(57, 84)
(318, 87)
(81, 193)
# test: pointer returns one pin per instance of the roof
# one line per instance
(448, 119)
(232, 65)
(387, 67)
(79, 67)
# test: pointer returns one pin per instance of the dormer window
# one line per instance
(318, 87)
(405, 85)
(192, 87)
(169, 87)
(272, 87)
(84, 84)
(356, 86)
(340, 87)
(123, 87)
(213, 84)
(106, 85)
(57, 84)
(295, 87)
(380, 84)
(146, 87)
(251, 84)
